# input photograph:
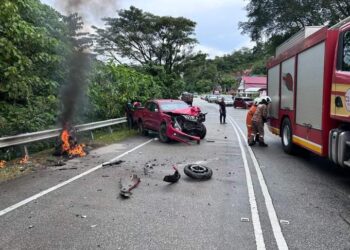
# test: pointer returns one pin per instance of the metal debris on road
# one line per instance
(73, 168)
(128, 184)
(172, 178)
(284, 222)
(243, 219)
(210, 140)
(30, 226)
(92, 226)
(83, 216)
(112, 163)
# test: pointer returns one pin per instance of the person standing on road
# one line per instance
(222, 111)
(249, 118)
(258, 120)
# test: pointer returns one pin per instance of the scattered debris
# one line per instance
(72, 168)
(92, 226)
(83, 216)
(30, 226)
(105, 175)
(2, 164)
(208, 140)
(59, 163)
(345, 218)
(197, 171)
(225, 137)
(128, 184)
(24, 160)
(243, 219)
(99, 190)
(111, 163)
(174, 177)
(284, 222)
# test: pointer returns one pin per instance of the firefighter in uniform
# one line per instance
(249, 118)
(258, 120)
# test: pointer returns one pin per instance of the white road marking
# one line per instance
(259, 238)
(42, 193)
(276, 228)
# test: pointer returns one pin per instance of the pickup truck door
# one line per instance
(156, 117)
(147, 115)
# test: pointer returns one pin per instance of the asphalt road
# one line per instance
(262, 199)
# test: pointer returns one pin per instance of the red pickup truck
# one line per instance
(172, 119)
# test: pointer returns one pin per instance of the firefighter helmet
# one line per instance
(267, 99)
(257, 100)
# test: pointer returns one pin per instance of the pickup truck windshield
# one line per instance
(169, 106)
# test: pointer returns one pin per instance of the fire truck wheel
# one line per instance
(162, 133)
(141, 129)
(286, 137)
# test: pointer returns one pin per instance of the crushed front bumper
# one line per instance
(177, 135)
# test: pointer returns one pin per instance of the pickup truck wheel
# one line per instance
(141, 129)
(202, 133)
(162, 133)
(286, 137)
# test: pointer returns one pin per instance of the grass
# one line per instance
(43, 158)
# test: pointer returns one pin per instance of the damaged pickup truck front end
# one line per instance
(186, 124)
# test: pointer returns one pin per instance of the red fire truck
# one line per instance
(309, 83)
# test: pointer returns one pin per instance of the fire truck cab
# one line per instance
(309, 83)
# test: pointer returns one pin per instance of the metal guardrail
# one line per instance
(52, 133)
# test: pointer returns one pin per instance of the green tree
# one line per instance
(146, 38)
(112, 86)
(283, 18)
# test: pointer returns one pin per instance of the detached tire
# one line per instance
(162, 133)
(141, 128)
(198, 172)
(287, 137)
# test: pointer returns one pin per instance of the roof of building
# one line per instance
(254, 81)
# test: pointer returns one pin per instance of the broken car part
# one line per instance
(197, 171)
(111, 163)
(128, 184)
(174, 177)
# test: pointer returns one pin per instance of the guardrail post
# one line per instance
(92, 135)
(25, 149)
(110, 129)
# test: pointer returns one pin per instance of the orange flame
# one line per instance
(2, 164)
(72, 150)
(24, 160)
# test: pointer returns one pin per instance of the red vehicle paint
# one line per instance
(242, 102)
(172, 119)
(309, 82)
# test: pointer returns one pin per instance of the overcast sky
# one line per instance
(217, 20)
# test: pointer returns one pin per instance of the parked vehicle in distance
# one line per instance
(172, 119)
(242, 102)
(212, 98)
(187, 98)
(227, 99)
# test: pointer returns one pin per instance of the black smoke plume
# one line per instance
(75, 87)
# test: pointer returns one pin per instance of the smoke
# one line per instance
(74, 90)
(92, 11)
